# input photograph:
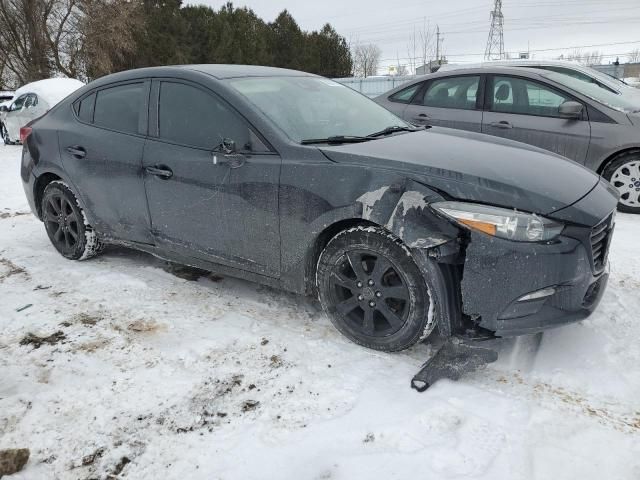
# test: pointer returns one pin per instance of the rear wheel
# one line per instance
(5, 136)
(373, 291)
(66, 225)
(624, 174)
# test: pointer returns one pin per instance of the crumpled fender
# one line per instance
(403, 210)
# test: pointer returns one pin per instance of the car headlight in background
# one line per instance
(501, 222)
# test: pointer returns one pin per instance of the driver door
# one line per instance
(207, 198)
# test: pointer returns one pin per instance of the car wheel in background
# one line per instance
(66, 224)
(624, 174)
(5, 136)
(373, 291)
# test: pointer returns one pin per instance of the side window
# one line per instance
(453, 92)
(190, 116)
(118, 108)
(84, 108)
(28, 101)
(405, 95)
(525, 97)
(34, 100)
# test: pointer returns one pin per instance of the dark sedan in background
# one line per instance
(298, 182)
(566, 115)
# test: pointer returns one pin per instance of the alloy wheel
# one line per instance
(61, 221)
(370, 293)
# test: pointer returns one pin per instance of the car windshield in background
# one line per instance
(311, 108)
(593, 91)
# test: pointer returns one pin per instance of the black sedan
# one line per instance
(294, 181)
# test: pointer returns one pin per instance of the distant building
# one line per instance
(432, 66)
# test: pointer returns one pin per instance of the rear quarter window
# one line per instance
(405, 95)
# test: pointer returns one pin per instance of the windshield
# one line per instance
(315, 108)
(593, 91)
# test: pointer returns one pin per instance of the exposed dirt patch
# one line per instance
(145, 326)
(36, 341)
(190, 274)
(249, 405)
(88, 320)
(11, 269)
(4, 215)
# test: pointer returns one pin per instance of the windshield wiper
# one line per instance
(394, 129)
(336, 140)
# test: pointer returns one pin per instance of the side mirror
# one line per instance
(228, 146)
(571, 109)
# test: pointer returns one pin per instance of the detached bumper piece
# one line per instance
(454, 358)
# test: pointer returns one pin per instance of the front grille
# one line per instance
(600, 238)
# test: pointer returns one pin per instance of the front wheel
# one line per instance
(373, 291)
(624, 174)
(66, 224)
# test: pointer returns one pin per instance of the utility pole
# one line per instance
(438, 44)
(495, 42)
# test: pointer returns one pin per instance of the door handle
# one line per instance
(501, 124)
(77, 151)
(160, 171)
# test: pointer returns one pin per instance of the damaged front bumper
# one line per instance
(515, 289)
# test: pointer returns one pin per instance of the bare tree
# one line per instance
(108, 28)
(634, 56)
(23, 39)
(74, 38)
(421, 47)
(586, 58)
(366, 59)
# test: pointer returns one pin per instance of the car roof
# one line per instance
(532, 72)
(222, 71)
(516, 62)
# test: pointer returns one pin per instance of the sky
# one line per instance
(545, 28)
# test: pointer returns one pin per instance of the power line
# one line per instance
(575, 47)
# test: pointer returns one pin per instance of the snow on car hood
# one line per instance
(51, 90)
(476, 167)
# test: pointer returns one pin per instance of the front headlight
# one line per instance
(501, 222)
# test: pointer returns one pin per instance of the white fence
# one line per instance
(374, 86)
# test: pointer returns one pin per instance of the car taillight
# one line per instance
(24, 133)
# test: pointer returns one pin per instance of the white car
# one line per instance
(32, 101)
(572, 69)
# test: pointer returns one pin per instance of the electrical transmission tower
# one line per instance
(495, 42)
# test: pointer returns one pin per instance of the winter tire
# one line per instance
(624, 174)
(5, 136)
(66, 225)
(373, 291)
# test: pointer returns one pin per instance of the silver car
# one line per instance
(32, 101)
(576, 119)
(573, 69)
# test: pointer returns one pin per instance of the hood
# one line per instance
(475, 167)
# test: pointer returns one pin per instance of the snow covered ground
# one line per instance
(160, 372)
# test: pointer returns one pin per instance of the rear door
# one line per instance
(453, 102)
(102, 154)
(526, 110)
(205, 203)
